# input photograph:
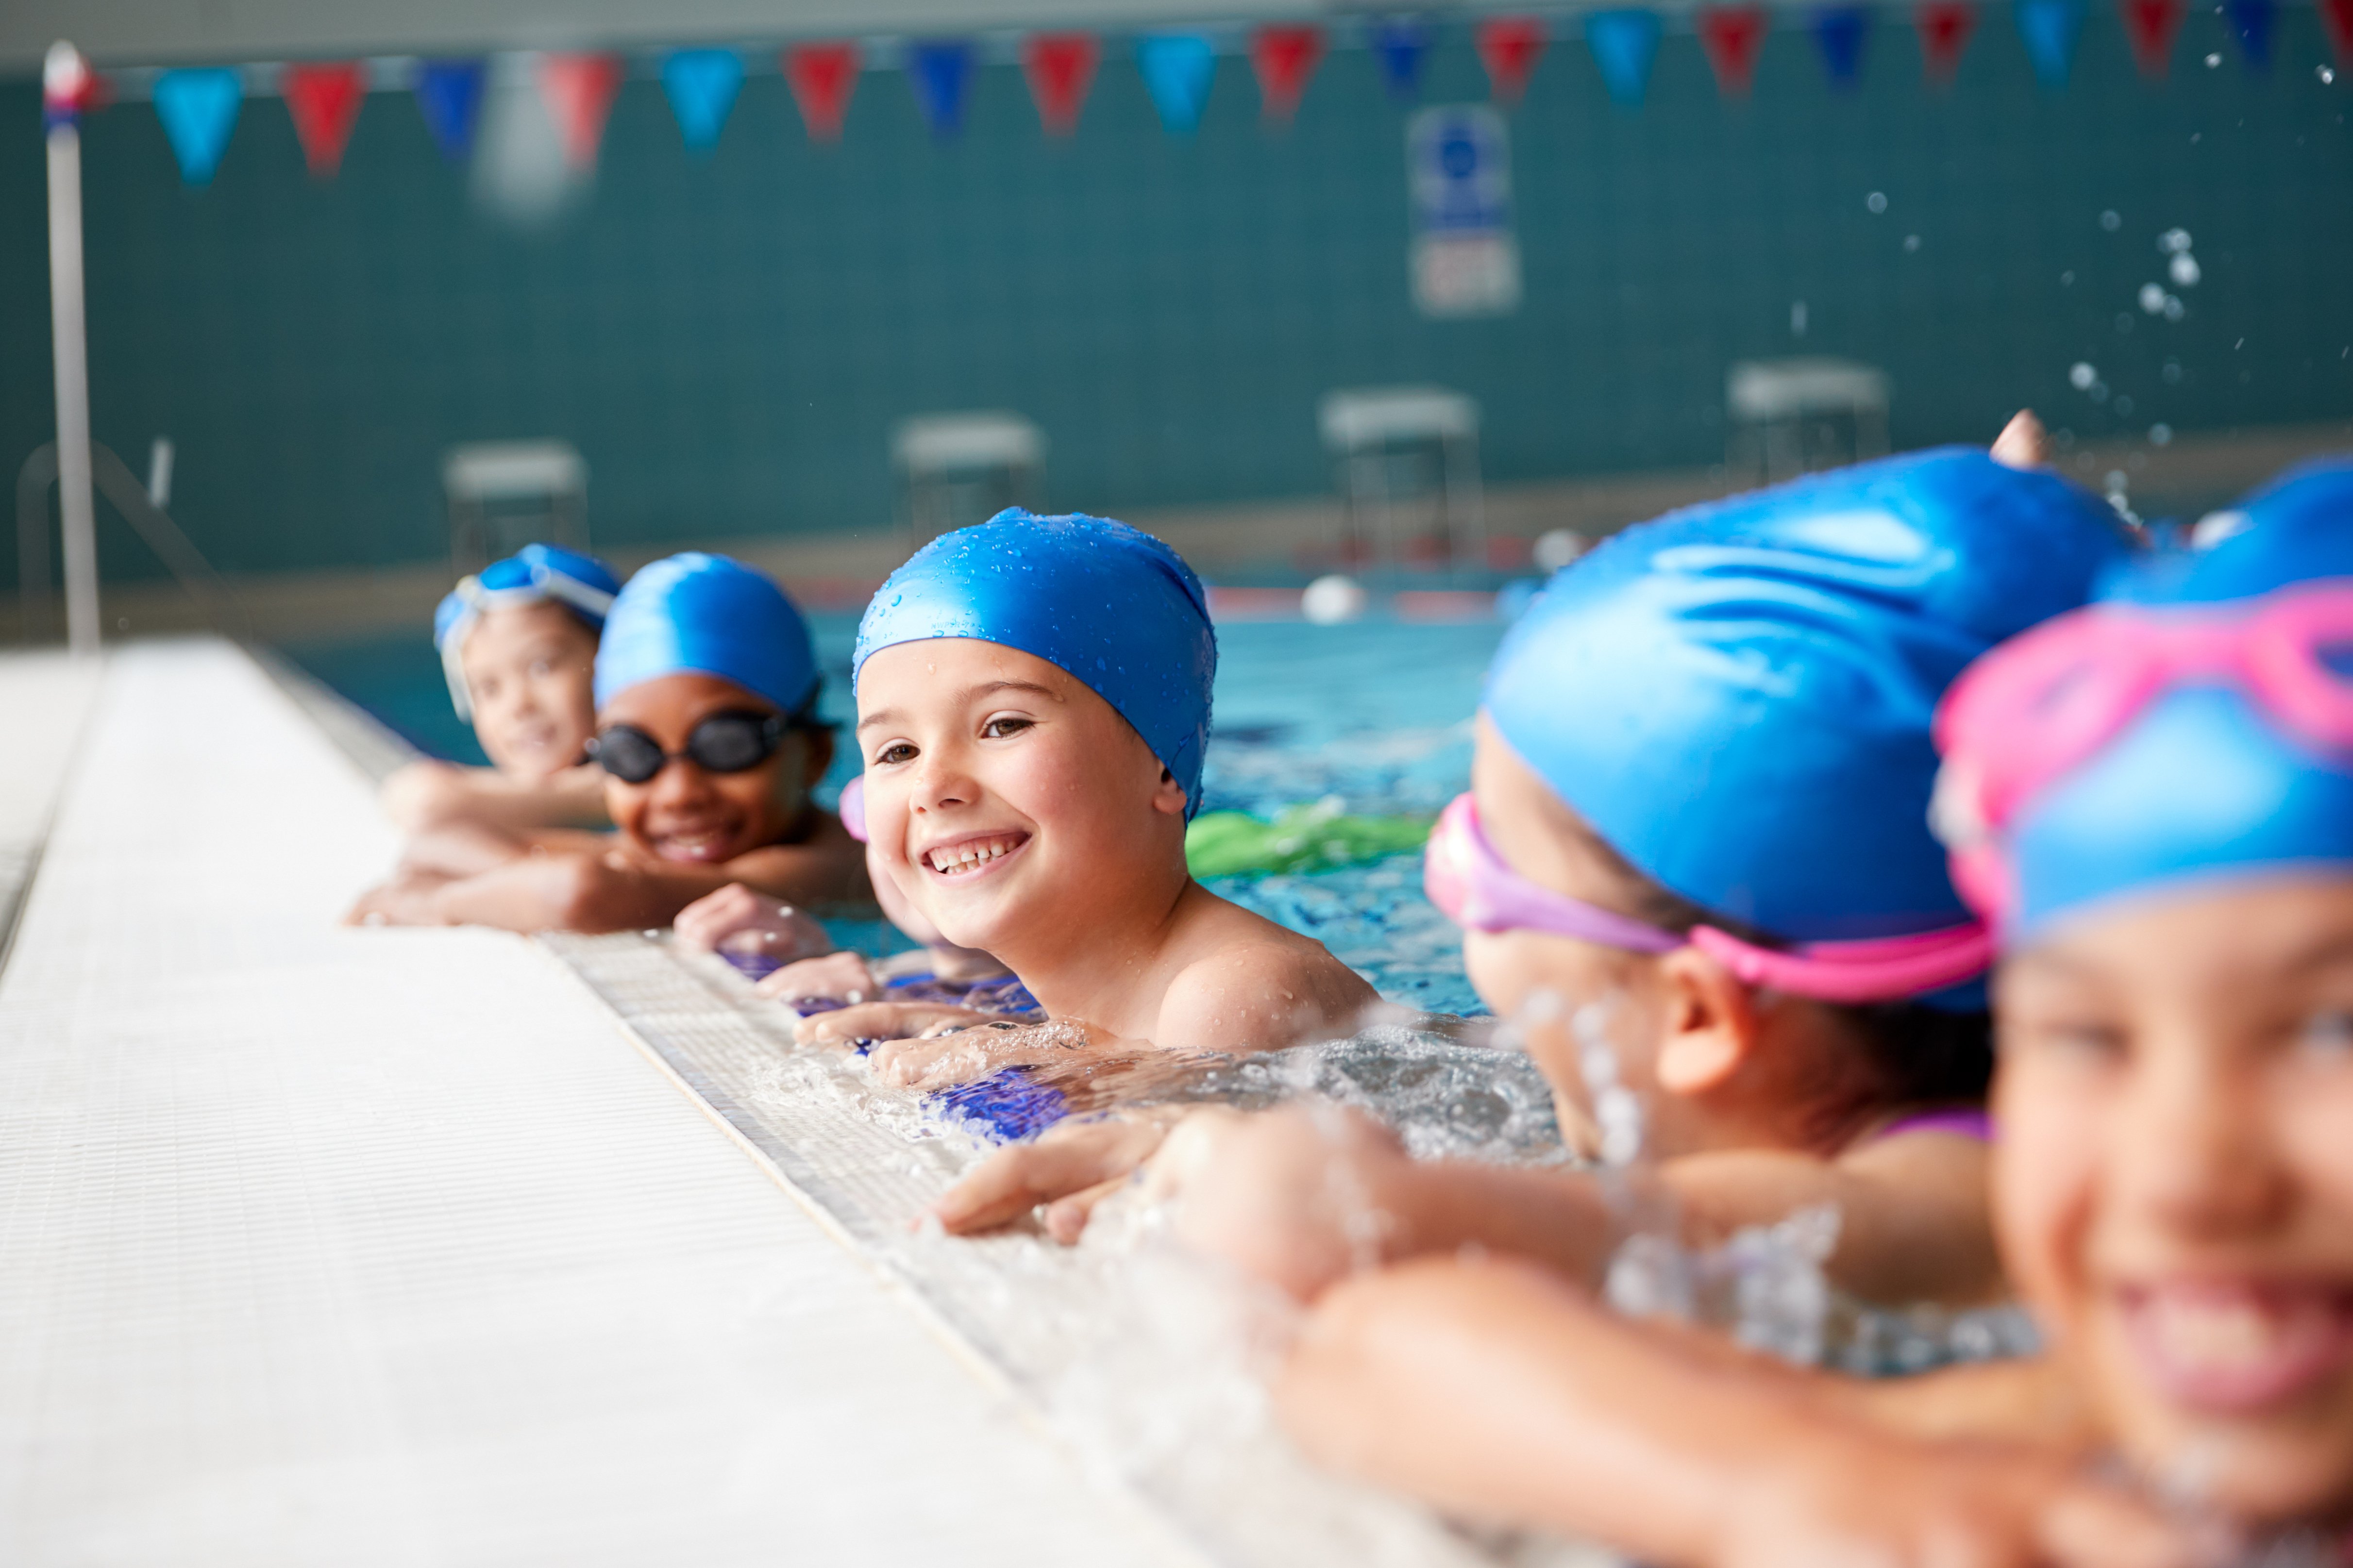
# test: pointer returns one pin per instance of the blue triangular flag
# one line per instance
(1839, 34)
(701, 85)
(1178, 68)
(2050, 29)
(2251, 21)
(940, 71)
(1400, 44)
(449, 96)
(1623, 43)
(198, 109)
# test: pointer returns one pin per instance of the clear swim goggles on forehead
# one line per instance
(514, 583)
(1471, 887)
(2043, 705)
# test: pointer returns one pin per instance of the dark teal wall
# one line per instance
(728, 341)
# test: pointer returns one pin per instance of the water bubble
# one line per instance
(2099, 392)
(2067, 279)
(1910, 243)
(2112, 220)
(2213, 61)
(2160, 434)
(2173, 241)
(1332, 600)
(2171, 372)
(2152, 297)
(2325, 75)
(1876, 201)
(2174, 309)
(2081, 376)
(2185, 270)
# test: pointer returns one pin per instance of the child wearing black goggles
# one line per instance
(706, 689)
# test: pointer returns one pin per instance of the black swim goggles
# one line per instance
(730, 742)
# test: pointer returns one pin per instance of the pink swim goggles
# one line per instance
(1471, 887)
(2045, 704)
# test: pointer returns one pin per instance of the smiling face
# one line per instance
(2174, 1182)
(529, 670)
(1010, 804)
(688, 813)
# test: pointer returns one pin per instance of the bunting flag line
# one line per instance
(1401, 44)
(198, 109)
(1624, 43)
(701, 85)
(1839, 33)
(2050, 29)
(1732, 36)
(1283, 56)
(1944, 27)
(2151, 26)
(1509, 47)
(579, 90)
(2336, 16)
(1177, 70)
(1060, 68)
(822, 76)
(325, 99)
(449, 96)
(2250, 24)
(940, 70)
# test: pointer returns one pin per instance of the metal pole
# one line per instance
(65, 82)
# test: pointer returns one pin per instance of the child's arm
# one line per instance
(1497, 1392)
(431, 793)
(826, 869)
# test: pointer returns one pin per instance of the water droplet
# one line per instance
(2112, 220)
(2173, 241)
(2325, 75)
(2174, 309)
(2160, 435)
(2213, 62)
(2152, 297)
(2082, 375)
(1910, 243)
(2171, 372)
(2186, 270)
(2067, 279)
(1876, 201)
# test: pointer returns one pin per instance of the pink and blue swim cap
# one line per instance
(535, 574)
(1106, 603)
(709, 614)
(1737, 697)
(2194, 727)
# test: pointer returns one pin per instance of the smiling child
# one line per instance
(1033, 699)
(706, 689)
(518, 644)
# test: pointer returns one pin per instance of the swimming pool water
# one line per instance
(1375, 714)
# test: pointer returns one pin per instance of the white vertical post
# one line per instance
(65, 87)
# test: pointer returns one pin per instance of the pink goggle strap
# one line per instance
(1470, 883)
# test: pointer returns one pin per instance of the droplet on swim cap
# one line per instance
(1097, 598)
(1737, 697)
(712, 615)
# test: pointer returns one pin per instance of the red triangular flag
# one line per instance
(1945, 26)
(1732, 35)
(1285, 54)
(2151, 24)
(2336, 16)
(822, 76)
(324, 101)
(579, 90)
(1060, 68)
(1509, 47)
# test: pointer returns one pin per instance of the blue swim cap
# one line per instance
(537, 573)
(1109, 604)
(1737, 697)
(2206, 782)
(709, 615)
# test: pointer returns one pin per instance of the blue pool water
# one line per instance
(1375, 714)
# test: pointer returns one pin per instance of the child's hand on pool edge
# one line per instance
(955, 1051)
(1069, 1168)
(738, 919)
(892, 1022)
(1300, 1197)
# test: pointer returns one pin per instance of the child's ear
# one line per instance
(1168, 794)
(1708, 1025)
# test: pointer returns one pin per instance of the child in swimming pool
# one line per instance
(1697, 839)
(1033, 698)
(706, 689)
(518, 643)
(2152, 799)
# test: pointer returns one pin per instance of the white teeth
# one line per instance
(968, 856)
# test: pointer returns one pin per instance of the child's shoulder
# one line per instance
(1248, 983)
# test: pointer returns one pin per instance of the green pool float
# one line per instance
(1314, 838)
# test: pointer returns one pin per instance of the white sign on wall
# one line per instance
(1465, 259)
